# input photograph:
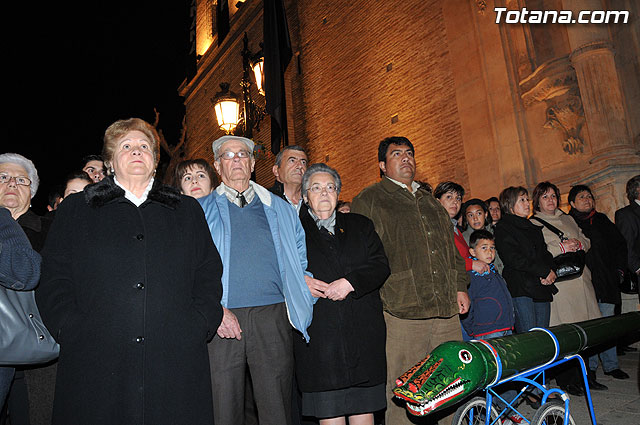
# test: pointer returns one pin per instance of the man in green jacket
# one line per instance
(427, 288)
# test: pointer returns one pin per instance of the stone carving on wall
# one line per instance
(555, 83)
(567, 116)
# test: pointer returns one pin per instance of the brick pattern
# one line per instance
(350, 95)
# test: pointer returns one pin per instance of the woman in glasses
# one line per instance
(342, 370)
(33, 386)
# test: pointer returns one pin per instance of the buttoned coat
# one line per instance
(347, 346)
(132, 294)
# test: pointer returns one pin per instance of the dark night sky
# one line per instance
(75, 67)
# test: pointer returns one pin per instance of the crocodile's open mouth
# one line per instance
(447, 394)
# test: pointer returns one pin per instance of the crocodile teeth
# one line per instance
(451, 391)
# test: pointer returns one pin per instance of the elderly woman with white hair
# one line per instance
(342, 370)
(32, 389)
(131, 290)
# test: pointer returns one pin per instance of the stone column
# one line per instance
(592, 56)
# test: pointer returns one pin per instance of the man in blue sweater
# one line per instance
(265, 293)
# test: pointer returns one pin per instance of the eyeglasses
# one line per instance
(239, 154)
(23, 181)
(316, 188)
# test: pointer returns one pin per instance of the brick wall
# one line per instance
(363, 63)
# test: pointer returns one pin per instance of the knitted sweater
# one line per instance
(19, 263)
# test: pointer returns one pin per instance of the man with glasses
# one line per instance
(428, 283)
(262, 246)
(291, 163)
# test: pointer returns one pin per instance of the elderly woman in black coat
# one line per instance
(342, 370)
(131, 289)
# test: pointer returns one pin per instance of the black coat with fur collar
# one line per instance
(347, 346)
(132, 294)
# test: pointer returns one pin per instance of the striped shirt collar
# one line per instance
(233, 195)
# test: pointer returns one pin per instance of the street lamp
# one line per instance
(227, 108)
(226, 104)
(258, 72)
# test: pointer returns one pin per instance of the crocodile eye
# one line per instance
(465, 356)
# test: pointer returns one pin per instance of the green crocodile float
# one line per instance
(455, 370)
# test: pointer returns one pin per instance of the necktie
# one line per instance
(243, 200)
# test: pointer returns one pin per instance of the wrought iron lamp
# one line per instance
(226, 103)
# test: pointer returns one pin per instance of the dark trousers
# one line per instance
(531, 314)
(266, 348)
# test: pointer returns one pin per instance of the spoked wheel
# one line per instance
(551, 413)
(474, 412)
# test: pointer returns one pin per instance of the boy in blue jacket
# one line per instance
(491, 313)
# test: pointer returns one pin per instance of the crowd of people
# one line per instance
(217, 300)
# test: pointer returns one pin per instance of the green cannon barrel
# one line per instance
(455, 369)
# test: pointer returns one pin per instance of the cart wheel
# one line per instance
(474, 413)
(551, 413)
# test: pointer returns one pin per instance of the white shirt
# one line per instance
(295, 206)
(414, 186)
(133, 198)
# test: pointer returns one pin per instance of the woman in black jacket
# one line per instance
(342, 370)
(527, 263)
(607, 261)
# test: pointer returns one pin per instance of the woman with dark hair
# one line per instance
(607, 261)
(475, 216)
(195, 177)
(527, 263)
(576, 299)
(342, 370)
(76, 182)
(450, 194)
(495, 211)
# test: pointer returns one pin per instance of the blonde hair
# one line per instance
(119, 129)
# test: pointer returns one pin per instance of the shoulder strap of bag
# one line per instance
(551, 227)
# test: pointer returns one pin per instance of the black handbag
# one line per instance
(629, 283)
(569, 265)
(24, 339)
